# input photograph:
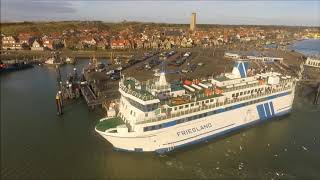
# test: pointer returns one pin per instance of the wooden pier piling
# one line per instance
(59, 104)
(58, 74)
(317, 94)
(61, 98)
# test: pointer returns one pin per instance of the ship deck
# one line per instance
(109, 123)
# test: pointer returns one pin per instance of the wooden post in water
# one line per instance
(61, 98)
(58, 74)
(77, 92)
(58, 103)
(317, 94)
(75, 74)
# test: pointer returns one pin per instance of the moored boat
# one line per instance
(160, 116)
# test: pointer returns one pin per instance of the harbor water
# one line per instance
(37, 144)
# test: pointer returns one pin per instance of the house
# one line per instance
(25, 39)
(166, 44)
(139, 44)
(37, 45)
(146, 44)
(155, 44)
(55, 36)
(88, 41)
(198, 42)
(189, 43)
(10, 43)
(120, 44)
(102, 44)
(79, 45)
(184, 42)
(177, 42)
(47, 43)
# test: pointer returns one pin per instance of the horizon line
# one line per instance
(144, 22)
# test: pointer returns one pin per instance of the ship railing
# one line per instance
(282, 81)
(241, 87)
(210, 106)
(136, 94)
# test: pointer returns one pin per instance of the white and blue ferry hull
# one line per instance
(223, 120)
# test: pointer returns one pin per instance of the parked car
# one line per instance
(200, 64)
(193, 67)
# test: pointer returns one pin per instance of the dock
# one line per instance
(90, 97)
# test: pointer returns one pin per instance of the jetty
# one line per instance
(91, 99)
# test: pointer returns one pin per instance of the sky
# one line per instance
(300, 13)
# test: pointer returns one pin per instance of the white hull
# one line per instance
(194, 131)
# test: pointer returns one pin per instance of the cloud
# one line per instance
(212, 12)
(19, 10)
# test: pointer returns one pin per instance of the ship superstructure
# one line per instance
(160, 116)
(313, 62)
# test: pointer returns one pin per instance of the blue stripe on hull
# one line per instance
(165, 150)
(266, 107)
(272, 109)
(261, 112)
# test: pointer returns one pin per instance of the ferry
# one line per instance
(160, 116)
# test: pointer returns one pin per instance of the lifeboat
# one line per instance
(208, 92)
(218, 91)
(196, 81)
(178, 101)
(261, 82)
(187, 82)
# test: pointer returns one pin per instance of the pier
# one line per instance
(90, 97)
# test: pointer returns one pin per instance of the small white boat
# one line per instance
(70, 60)
(52, 62)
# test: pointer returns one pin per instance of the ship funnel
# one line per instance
(240, 69)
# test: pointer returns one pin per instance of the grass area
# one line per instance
(109, 123)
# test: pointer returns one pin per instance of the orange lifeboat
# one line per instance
(196, 81)
(208, 92)
(261, 82)
(187, 82)
(218, 91)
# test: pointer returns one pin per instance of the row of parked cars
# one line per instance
(163, 56)
(180, 60)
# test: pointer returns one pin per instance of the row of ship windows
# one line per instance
(183, 120)
(314, 63)
(144, 108)
(191, 105)
(240, 87)
(247, 92)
